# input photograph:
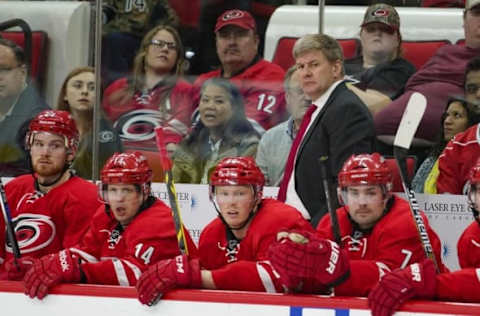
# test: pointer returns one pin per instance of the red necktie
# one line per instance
(282, 193)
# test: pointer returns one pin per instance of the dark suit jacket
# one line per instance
(343, 127)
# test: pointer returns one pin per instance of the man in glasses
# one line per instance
(259, 81)
(19, 102)
(381, 72)
(462, 151)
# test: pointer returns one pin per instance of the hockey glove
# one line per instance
(166, 275)
(307, 263)
(417, 280)
(16, 271)
(50, 270)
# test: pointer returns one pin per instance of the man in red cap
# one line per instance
(259, 81)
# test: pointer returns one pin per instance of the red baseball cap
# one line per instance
(239, 18)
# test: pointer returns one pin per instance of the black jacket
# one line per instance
(343, 127)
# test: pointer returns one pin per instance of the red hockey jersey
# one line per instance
(261, 85)
(468, 247)
(245, 267)
(47, 223)
(462, 285)
(393, 243)
(457, 159)
(113, 255)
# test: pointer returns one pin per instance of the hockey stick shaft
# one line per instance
(400, 156)
(323, 161)
(172, 194)
(408, 125)
(12, 238)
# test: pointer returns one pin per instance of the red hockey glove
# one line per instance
(166, 275)
(50, 270)
(417, 280)
(16, 272)
(307, 263)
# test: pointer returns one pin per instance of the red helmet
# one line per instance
(126, 168)
(237, 171)
(56, 122)
(474, 177)
(365, 169)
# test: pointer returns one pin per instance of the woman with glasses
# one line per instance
(155, 95)
(380, 73)
(77, 96)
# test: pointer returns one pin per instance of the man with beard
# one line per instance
(259, 81)
(51, 208)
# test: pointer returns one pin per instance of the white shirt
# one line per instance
(292, 197)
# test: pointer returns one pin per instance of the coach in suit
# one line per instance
(337, 124)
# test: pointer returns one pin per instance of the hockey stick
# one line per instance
(8, 220)
(172, 194)
(406, 130)
(328, 196)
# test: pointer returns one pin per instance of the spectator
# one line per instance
(132, 230)
(259, 81)
(275, 144)
(223, 130)
(77, 96)
(381, 71)
(19, 102)
(419, 280)
(125, 23)
(340, 125)
(376, 228)
(156, 95)
(461, 153)
(441, 77)
(456, 118)
(51, 208)
(236, 242)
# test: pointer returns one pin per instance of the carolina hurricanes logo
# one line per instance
(380, 12)
(233, 14)
(33, 232)
(138, 125)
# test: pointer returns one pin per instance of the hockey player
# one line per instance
(468, 247)
(130, 231)
(377, 228)
(235, 243)
(51, 208)
(420, 280)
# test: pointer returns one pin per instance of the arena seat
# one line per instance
(39, 52)
(283, 52)
(419, 52)
(397, 179)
